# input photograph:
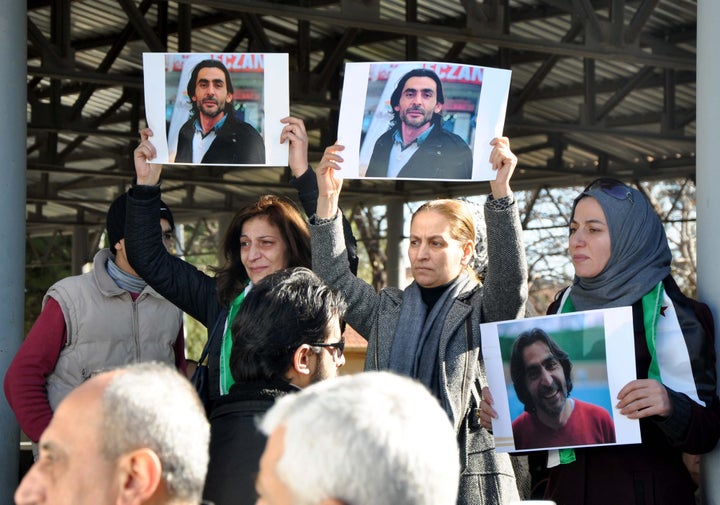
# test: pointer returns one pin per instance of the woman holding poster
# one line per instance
(263, 237)
(431, 330)
(621, 258)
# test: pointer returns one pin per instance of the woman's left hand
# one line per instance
(644, 398)
(295, 135)
(503, 161)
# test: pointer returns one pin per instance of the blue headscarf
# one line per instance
(640, 256)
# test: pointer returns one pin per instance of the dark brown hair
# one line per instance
(281, 212)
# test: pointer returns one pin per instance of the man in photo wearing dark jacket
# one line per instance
(416, 145)
(287, 335)
(213, 134)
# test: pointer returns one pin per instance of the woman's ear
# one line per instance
(468, 252)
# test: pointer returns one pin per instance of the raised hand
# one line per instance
(148, 173)
(295, 134)
(503, 161)
(329, 182)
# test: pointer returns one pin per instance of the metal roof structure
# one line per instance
(599, 87)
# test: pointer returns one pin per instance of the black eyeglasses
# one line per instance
(338, 347)
(613, 187)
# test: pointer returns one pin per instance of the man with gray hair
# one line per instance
(374, 438)
(133, 435)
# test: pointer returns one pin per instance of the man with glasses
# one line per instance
(105, 318)
(286, 336)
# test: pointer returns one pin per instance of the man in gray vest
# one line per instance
(105, 318)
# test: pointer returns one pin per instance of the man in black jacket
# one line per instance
(213, 134)
(286, 336)
(417, 146)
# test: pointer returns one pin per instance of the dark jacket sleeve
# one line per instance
(306, 186)
(188, 288)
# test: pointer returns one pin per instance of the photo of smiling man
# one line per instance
(541, 374)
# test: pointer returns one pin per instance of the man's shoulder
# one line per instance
(522, 420)
(386, 135)
(80, 281)
(449, 138)
(591, 409)
(235, 126)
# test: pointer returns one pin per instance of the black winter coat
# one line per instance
(193, 291)
(235, 442)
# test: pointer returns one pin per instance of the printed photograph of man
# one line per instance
(418, 143)
(215, 133)
(541, 374)
(217, 108)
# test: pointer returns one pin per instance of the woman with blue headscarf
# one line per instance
(621, 258)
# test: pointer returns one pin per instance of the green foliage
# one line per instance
(47, 260)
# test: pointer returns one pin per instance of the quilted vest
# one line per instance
(106, 328)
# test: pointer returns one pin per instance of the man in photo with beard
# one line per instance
(287, 335)
(417, 146)
(541, 374)
(213, 135)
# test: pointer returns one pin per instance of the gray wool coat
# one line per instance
(487, 477)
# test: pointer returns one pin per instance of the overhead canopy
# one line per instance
(598, 87)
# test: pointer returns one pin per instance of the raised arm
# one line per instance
(305, 181)
(179, 282)
(505, 288)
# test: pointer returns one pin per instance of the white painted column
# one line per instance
(708, 200)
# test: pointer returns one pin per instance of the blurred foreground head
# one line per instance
(373, 438)
(133, 435)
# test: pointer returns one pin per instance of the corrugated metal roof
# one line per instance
(65, 187)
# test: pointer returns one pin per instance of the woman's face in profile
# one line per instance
(589, 242)
(262, 248)
(435, 257)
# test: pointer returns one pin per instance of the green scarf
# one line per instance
(226, 378)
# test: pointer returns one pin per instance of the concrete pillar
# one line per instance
(395, 225)
(708, 205)
(13, 42)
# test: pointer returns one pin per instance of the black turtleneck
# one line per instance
(430, 296)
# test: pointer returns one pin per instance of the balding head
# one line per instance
(132, 435)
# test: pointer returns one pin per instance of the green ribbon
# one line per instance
(226, 378)
(652, 303)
